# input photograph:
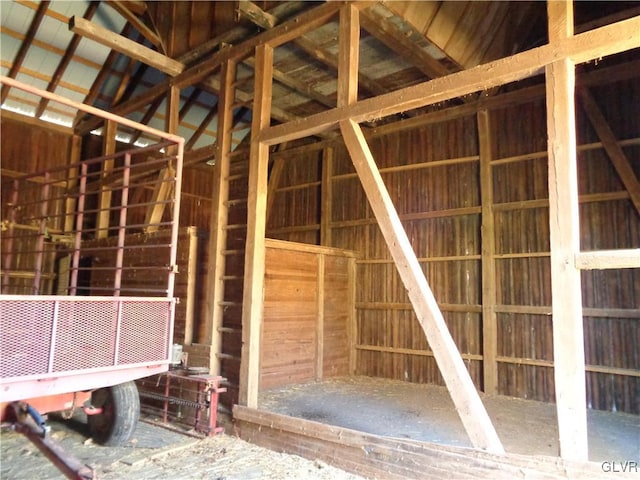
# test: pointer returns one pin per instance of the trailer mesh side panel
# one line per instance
(25, 336)
(71, 334)
(86, 336)
(145, 330)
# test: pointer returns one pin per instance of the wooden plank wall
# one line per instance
(433, 175)
(197, 187)
(136, 274)
(26, 148)
(308, 307)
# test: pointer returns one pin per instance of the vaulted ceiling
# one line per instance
(109, 54)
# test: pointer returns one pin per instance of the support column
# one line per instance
(568, 337)
(489, 320)
(326, 195)
(252, 301)
(108, 148)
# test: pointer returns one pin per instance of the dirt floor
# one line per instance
(382, 407)
(426, 413)
(157, 453)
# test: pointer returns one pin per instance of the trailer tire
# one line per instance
(120, 413)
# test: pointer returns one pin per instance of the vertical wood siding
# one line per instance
(432, 174)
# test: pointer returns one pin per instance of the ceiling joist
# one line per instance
(601, 42)
(125, 46)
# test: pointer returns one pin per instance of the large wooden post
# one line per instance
(108, 148)
(489, 320)
(568, 339)
(252, 301)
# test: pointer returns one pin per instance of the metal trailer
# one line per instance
(75, 329)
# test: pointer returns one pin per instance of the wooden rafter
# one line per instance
(148, 115)
(125, 46)
(388, 33)
(124, 9)
(618, 158)
(584, 47)
(327, 58)
(298, 86)
(125, 82)
(258, 16)
(66, 59)
(211, 114)
(267, 20)
(199, 73)
(24, 47)
(125, 108)
(100, 78)
(190, 102)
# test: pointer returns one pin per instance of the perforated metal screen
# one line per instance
(44, 336)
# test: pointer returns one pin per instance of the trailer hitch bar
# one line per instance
(31, 424)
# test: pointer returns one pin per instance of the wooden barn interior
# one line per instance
(376, 196)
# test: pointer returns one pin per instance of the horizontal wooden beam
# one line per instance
(125, 46)
(376, 456)
(598, 43)
(608, 259)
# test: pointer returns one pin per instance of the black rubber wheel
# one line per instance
(120, 413)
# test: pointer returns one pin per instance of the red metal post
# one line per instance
(122, 224)
(39, 254)
(73, 283)
(8, 254)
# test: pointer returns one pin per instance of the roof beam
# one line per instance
(607, 40)
(24, 47)
(66, 59)
(151, 111)
(125, 46)
(213, 111)
(298, 86)
(258, 16)
(100, 78)
(198, 73)
(123, 8)
(388, 33)
(265, 20)
(279, 35)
